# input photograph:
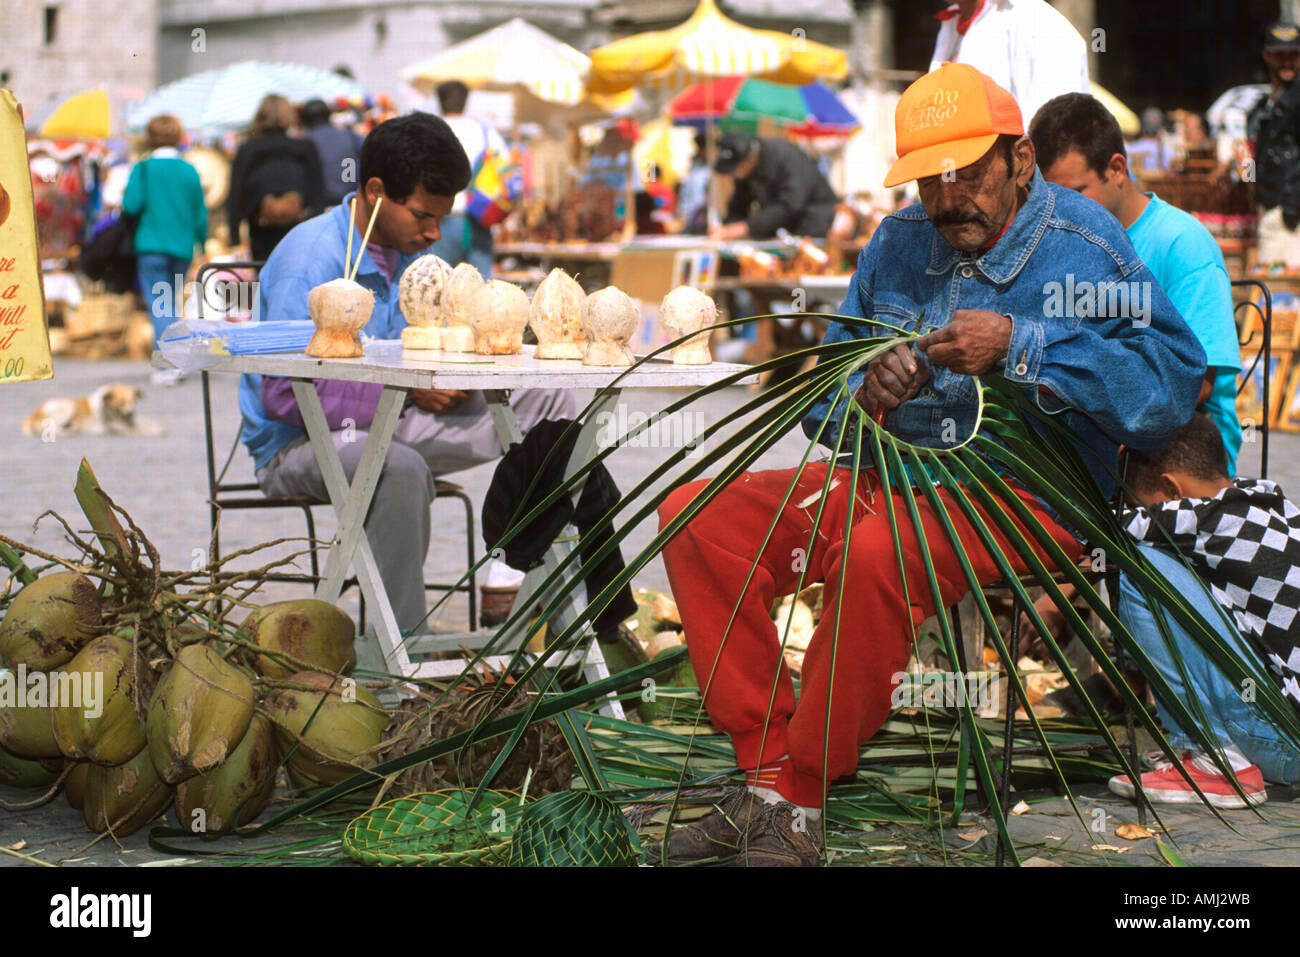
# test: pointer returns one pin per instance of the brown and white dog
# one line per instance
(109, 410)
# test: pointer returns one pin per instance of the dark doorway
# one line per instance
(1181, 54)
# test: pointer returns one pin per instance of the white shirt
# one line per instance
(474, 138)
(1026, 47)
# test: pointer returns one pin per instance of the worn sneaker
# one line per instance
(713, 840)
(781, 836)
(1167, 786)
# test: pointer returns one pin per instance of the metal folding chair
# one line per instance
(1263, 307)
(234, 496)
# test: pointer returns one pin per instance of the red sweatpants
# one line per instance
(709, 560)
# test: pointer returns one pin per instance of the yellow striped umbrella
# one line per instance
(710, 45)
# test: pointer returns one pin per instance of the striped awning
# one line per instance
(712, 45)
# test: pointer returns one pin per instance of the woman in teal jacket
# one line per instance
(165, 193)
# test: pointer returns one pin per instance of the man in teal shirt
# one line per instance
(1080, 147)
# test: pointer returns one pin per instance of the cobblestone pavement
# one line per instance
(161, 484)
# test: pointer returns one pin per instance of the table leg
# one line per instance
(351, 504)
(584, 448)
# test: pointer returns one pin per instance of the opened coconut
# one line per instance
(49, 621)
(458, 332)
(124, 798)
(199, 713)
(334, 738)
(684, 311)
(308, 630)
(101, 700)
(556, 317)
(498, 314)
(420, 296)
(236, 791)
(340, 308)
(26, 729)
(609, 317)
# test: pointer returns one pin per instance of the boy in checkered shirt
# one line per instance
(1243, 540)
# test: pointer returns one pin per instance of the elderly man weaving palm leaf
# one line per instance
(972, 269)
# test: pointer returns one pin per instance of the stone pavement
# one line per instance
(161, 484)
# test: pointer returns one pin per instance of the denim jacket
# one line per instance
(1118, 363)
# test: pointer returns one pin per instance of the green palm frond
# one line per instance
(972, 481)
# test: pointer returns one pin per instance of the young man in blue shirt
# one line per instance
(1080, 147)
(417, 165)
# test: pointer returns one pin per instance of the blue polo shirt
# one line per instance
(1188, 264)
(311, 254)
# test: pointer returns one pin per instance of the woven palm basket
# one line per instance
(432, 829)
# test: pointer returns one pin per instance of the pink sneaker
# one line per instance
(1167, 786)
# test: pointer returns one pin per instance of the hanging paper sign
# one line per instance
(24, 339)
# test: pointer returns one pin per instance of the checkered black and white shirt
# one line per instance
(1245, 544)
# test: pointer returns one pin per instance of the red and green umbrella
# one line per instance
(741, 103)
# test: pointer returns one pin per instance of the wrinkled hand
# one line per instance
(891, 380)
(437, 400)
(972, 343)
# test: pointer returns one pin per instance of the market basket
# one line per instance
(432, 829)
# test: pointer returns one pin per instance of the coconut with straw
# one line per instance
(342, 307)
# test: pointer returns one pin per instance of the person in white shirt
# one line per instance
(1026, 47)
(465, 239)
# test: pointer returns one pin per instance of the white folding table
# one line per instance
(400, 371)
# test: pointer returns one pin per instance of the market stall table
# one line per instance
(399, 372)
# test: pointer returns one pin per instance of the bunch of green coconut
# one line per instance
(200, 725)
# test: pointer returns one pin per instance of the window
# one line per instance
(51, 24)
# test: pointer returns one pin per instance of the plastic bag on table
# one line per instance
(194, 344)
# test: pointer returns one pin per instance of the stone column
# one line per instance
(1083, 14)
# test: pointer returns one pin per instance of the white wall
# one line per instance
(91, 47)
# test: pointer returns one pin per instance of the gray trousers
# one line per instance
(424, 447)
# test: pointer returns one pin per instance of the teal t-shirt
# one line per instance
(1187, 262)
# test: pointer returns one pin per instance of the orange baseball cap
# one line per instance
(948, 119)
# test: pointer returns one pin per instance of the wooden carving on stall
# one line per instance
(24, 339)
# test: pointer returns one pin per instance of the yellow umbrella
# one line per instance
(1129, 124)
(666, 146)
(87, 115)
(708, 45)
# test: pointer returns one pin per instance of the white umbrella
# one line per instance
(1228, 113)
(515, 55)
(226, 98)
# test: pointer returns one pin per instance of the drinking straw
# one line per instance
(366, 238)
(352, 213)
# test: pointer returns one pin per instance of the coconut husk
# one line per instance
(74, 785)
(199, 713)
(417, 722)
(117, 733)
(308, 630)
(124, 798)
(20, 772)
(335, 737)
(49, 621)
(236, 792)
(28, 732)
